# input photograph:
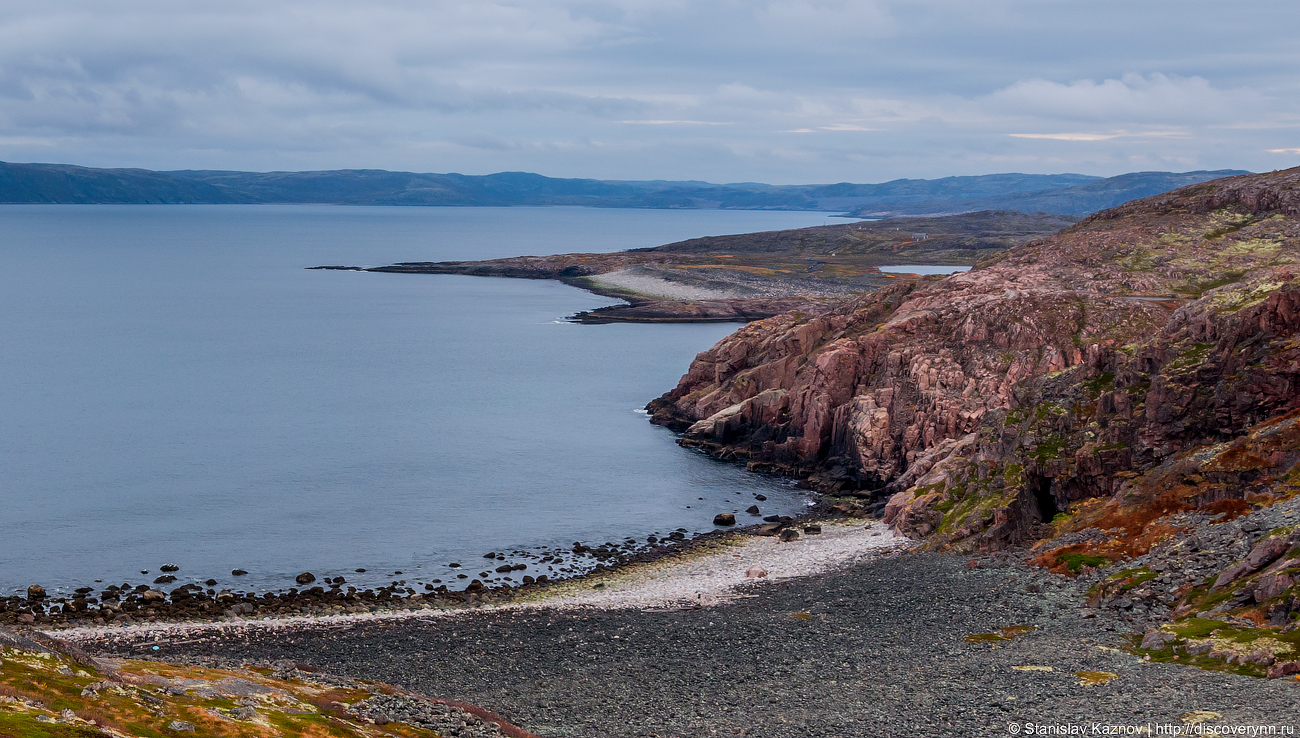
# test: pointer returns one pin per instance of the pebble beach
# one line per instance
(851, 633)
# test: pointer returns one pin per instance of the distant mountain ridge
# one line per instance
(66, 183)
(1080, 199)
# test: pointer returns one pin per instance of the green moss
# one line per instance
(1224, 222)
(1194, 288)
(1191, 356)
(1143, 576)
(26, 725)
(1196, 627)
(1076, 561)
(1048, 449)
(1102, 383)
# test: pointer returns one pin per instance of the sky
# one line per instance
(777, 91)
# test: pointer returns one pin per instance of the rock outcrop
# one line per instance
(1144, 360)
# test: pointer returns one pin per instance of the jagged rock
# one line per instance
(1277, 671)
(1156, 639)
(1067, 369)
(1265, 552)
(1272, 585)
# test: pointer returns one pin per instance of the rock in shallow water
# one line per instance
(724, 519)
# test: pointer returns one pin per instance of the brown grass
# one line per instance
(101, 719)
(1231, 509)
(508, 729)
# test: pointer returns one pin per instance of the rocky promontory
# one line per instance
(1081, 390)
(758, 275)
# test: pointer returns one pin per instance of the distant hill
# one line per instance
(379, 187)
(1079, 199)
(1061, 193)
(64, 183)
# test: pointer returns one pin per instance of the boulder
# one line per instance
(35, 592)
(1277, 671)
(789, 534)
(724, 519)
(1155, 640)
(753, 510)
(1272, 585)
(812, 529)
(756, 572)
(1267, 551)
(305, 578)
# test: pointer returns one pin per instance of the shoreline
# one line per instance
(147, 605)
(705, 571)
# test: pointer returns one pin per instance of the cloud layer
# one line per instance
(724, 90)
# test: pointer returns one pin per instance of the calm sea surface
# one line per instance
(175, 387)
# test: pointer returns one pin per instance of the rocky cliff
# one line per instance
(1142, 362)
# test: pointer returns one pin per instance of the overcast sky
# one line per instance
(780, 91)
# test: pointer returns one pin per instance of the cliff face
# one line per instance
(1104, 366)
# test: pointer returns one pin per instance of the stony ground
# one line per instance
(877, 649)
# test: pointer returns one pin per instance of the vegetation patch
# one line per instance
(44, 694)
(1075, 562)
(1092, 678)
(1006, 633)
(1049, 448)
(1217, 645)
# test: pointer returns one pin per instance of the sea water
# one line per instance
(176, 387)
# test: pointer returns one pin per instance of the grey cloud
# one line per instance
(884, 88)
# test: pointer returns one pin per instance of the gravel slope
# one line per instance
(876, 649)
